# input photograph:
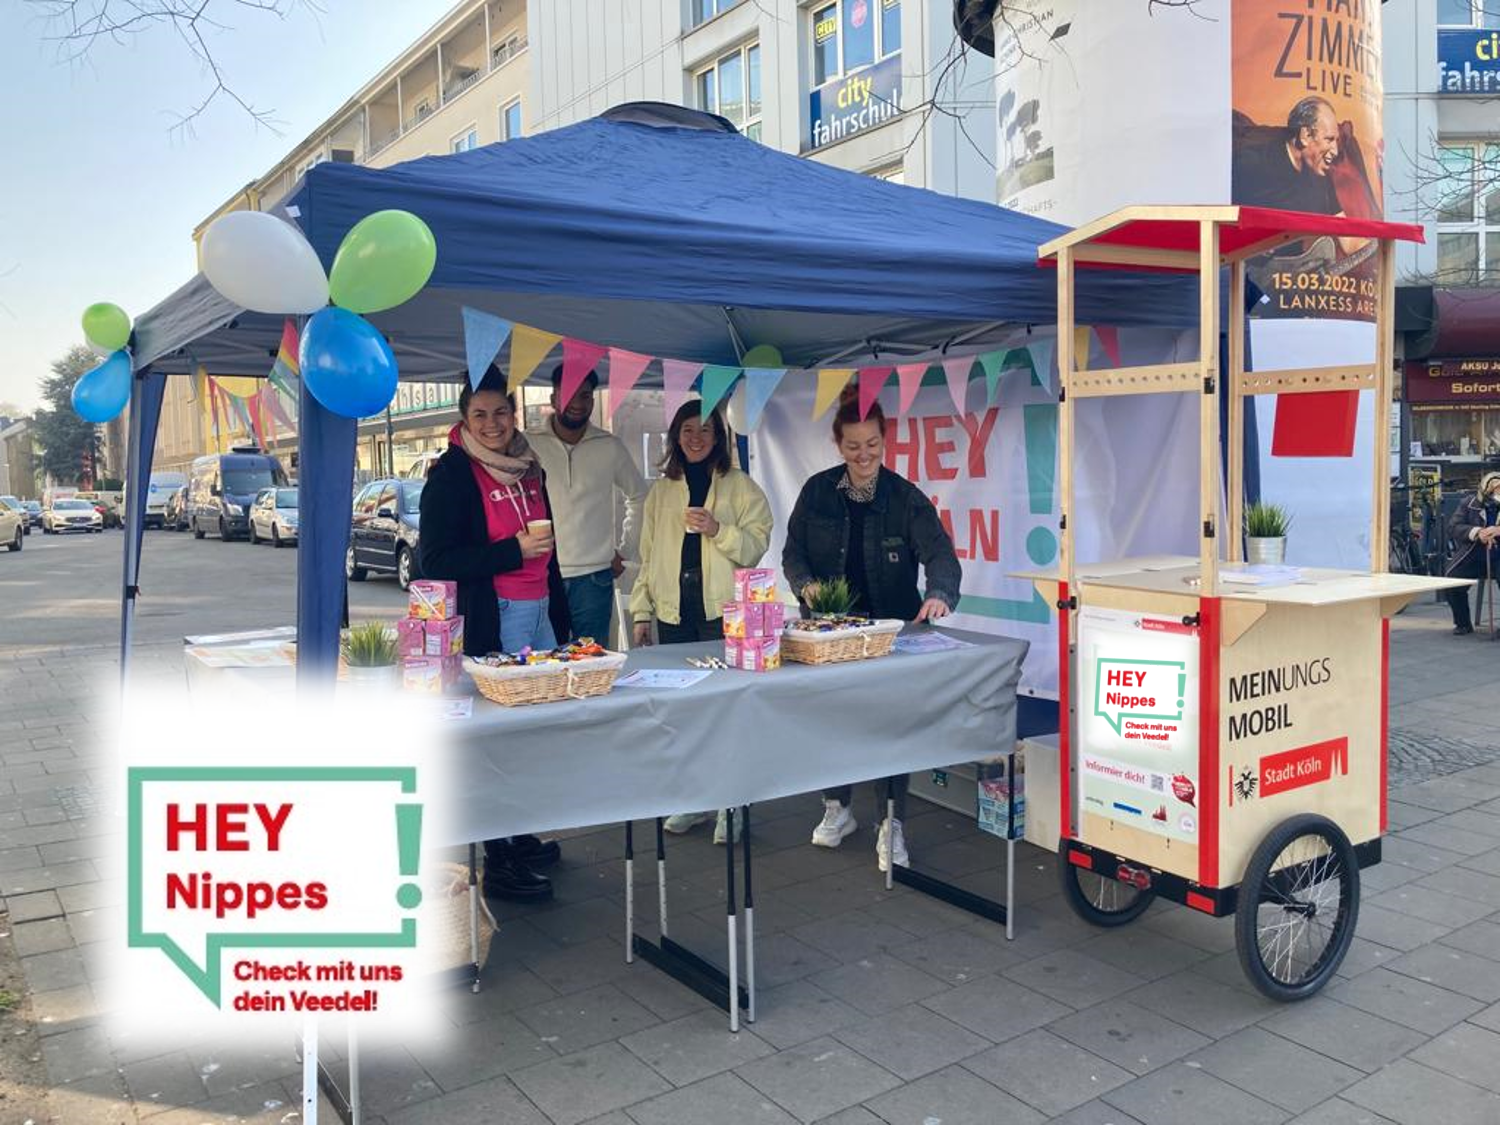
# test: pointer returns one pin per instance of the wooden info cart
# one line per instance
(1224, 736)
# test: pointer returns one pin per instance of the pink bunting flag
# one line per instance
(579, 358)
(871, 382)
(677, 377)
(910, 375)
(1109, 340)
(625, 369)
(957, 370)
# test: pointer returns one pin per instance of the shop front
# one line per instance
(1454, 416)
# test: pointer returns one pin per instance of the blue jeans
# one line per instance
(591, 598)
(525, 623)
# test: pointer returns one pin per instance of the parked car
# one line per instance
(17, 505)
(384, 533)
(109, 513)
(12, 524)
(33, 514)
(160, 489)
(273, 516)
(71, 514)
(174, 515)
(222, 486)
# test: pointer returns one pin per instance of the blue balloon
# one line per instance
(102, 393)
(347, 364)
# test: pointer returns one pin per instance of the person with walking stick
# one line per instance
(1474, 530)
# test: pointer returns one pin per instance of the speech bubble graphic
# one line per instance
(250, 859)
(1126, 689)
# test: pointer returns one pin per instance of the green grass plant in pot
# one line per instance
(369, 651)
(1265, 533)
(831, 598)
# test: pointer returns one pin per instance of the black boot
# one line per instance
(534, 852)
(507, 877)
(1458, 601)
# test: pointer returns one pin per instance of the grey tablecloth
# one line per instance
(734, 738)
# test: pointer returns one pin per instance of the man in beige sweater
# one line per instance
(585, 466)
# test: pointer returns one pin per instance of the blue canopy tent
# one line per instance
(652, 228)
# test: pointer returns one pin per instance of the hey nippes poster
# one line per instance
(1138, 721)
(1306, 136)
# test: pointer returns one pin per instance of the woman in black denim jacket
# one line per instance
(864, 523)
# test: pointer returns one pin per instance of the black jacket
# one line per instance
(902, 529)
(1468, 555)
(455, 545)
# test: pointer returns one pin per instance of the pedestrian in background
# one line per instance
(1473, 530)
(586, 466)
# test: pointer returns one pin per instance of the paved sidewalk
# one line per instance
(876, 1006)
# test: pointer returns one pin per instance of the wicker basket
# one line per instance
(874, 639)
(517, 685)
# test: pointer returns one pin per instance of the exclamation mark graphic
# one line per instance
(1181, 688)
(1040, 424)
(409, 853)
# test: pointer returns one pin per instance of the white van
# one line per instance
(158, 492)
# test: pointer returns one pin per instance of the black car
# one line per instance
(383, 536)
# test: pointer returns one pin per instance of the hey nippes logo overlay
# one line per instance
(1141, 700)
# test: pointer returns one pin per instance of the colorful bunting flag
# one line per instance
(871, 383)
(278, 411)
(624, 370)
(717, 381)
(1081, 343)
(286, 374)
(528, 347)
(760, 384)
(911, 375)
(677, 377)
(1109, 339)
(831, 382)
(957, 369)
(579, 358)
(995, 363)
(484, 336)
(1041, 361)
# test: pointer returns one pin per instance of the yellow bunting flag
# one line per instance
(831, 380)
(240, 386)
(528, 347)
(1081, 342)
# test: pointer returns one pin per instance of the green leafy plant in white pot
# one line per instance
(1265, 533)
(370, 655)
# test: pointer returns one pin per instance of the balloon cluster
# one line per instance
(264, 264)
(101, 393)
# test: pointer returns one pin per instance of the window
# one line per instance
(850, 34)
(893, 173)
(731, 88)
(469, 139)
(510, 121)
(1468, 215)
(705, 10)
(1468, 13)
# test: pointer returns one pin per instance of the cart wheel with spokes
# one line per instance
(1098, 899)
(1298, 905)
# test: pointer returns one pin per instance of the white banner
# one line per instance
(992, 472)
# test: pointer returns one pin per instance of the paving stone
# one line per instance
(1395, 930)
(480, 1052)
(724, 1097)
(954, 1097)
(817, 1078)
(1489, 1018)
(391, 1080)
(47, 878)
(1050, 1074)
(996, 1008)
(582, 1019)
(1466, 1051)
(1486, 862)
(852, 936)
(781, 959)
(1363, 956)
(589, 1083)
(957, 956)
(1405, 1000)
(1410, 852)
(582, 967)
(1276, 1069)
(797, 1012)
(17, 859)
(1453, 969)
(912, 1041)
(1216, 935)
(33, 907)
(1411, 1094)
(47, 936)
(1095, 1113)
(1203, 1004)
(879, 983)
(695, 1047)
(47, 971)
(1401, 815)
(72, 1055)
(98, 1100)
(495, 1099)
(1336, 1111)
(60, 1010)
(1128, 1035)
(1146, 953)
(1074, 978)
(1482, 938)
(662, 996)
(167, 1080)
(1180, 1095)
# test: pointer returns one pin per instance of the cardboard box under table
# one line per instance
(1224, 742)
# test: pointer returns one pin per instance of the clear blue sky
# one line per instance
(99, 196)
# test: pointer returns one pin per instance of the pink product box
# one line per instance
(760, 654)
(411, 637)
(744, 620)
(732, 646)
(755, 585)
(444, 638)
(431, 675)
(431, 600)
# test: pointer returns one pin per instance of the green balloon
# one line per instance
(106, 326)
(762, 355)
(384, 261)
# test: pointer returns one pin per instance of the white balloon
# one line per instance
(262, 263)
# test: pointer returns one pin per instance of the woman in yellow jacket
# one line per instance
(702, 519)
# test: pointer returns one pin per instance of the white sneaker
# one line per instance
(721, 828)
(838, 822)
(898, 845)
(685, 822)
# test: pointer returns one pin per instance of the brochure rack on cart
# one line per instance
(1224, 734)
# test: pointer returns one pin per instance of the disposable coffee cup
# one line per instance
(540, 528)
(689, 529)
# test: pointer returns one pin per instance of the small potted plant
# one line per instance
(369, 652)
(831, 598)
(1265, 533)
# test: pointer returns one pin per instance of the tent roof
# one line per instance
(664, 231)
